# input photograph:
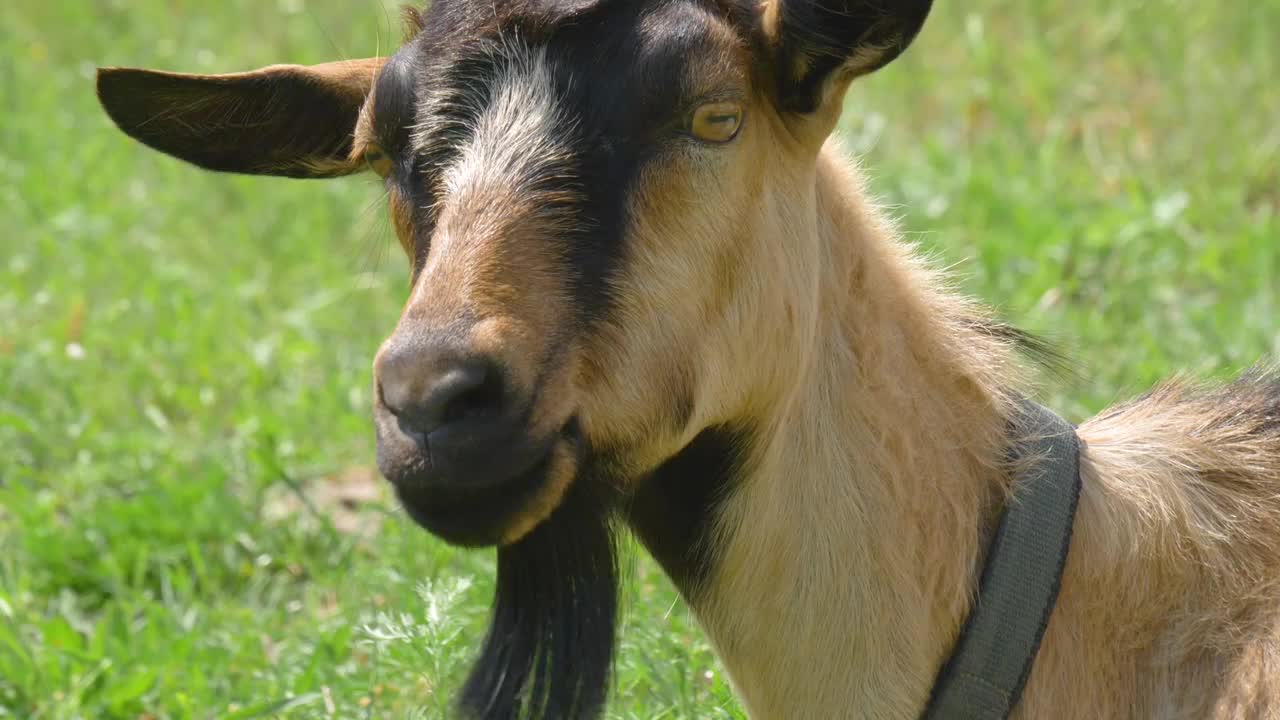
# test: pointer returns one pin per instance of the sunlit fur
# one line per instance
(763, 290)
(849, 550)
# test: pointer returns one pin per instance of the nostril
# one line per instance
(478, 393)
(458, 393)
(463, 390)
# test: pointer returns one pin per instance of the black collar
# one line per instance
(988, 668)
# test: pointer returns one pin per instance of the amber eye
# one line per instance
(378, 160)
(716, 122)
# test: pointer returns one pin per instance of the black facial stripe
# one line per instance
(625, 90)
(620, 80)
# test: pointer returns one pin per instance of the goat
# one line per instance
(650, 291)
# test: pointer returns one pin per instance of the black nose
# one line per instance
(427, 393)
(452, 421)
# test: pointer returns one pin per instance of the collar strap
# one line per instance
(988, 668)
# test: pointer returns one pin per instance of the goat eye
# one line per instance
(377, 160)
(716, 122)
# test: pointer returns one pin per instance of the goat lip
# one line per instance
(481, 513)
(475, 517)
(461, 459)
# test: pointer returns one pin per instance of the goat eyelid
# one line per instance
(716, 122)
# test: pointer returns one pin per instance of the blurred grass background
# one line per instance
(182, 355)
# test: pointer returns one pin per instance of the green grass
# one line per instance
(178, 349)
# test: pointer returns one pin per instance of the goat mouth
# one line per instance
(501, 511)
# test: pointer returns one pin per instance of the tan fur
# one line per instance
(849, 553)
(817, 344)
(1173, 591)
(401, 219)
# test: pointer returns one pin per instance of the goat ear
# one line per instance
(817, 42)
(288, 120)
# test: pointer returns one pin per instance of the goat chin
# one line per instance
(549, 648)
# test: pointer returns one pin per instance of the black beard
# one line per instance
(549, 649)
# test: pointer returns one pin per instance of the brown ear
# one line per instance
(816, 40)
(289, 120)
